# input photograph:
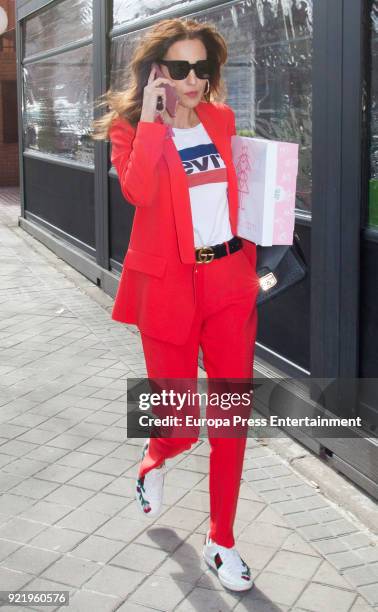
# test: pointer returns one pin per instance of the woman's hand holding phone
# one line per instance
(151, 94)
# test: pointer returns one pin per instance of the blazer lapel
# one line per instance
(210, 117)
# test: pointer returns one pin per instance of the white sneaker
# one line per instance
(232, 571)
(149, 489)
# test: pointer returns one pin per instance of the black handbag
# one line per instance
(279, 267)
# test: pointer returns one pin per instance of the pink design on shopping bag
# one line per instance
(243, 169)
(284, 219)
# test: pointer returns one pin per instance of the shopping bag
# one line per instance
(267, 176)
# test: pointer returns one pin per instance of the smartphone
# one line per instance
(171, 98)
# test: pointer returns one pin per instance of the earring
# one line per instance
(208, 87)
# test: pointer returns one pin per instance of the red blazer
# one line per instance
(156, 288)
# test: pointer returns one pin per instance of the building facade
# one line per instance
(9, 170)
(298, 70)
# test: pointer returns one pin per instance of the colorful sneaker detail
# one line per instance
(232, 571)
(149, 489)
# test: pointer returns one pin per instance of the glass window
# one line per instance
(62, 23)
(58, 105)
(125, 11)
(268, 73)
(373, 183)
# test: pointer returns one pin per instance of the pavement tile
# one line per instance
(361, 605)
(368, 554)
(34, 488)
(115, 581)
(277, 588)
(30, 560)
(17, 448)
(183, 478)
(163, 593)
(83, 601)
(206, 599)
(58, 473)
(315, 596)
(361, 576)
(25, 466)
(7, 548)
(370, 592)
(68, 441)
(49, 454)
(327, 574)
(12, 580)
(96, 548)
(12, 505)
(296, 544)
(121, 528)
(183, 518)
(78, 459)
(185, 564)
(37, 436)
(93, 481)
(293, 564)
(128, 606)
(71, 571)
(46, 512)
(20, 530)
(163, 538)
(259, 605)
(83, 520)
(264, 514)
(5, 459)
(135, 556)
(111, 465)
(105, 504)
(264, 534)
(344, 560)
(330, 545)
(100, 448)
(172, 494)
(195, 463)
(57, 539)
(358, 541)
(69, 495)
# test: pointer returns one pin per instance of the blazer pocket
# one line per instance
(145, 262)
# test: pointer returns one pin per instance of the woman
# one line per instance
(188, 280)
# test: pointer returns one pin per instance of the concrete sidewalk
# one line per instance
(68, 519)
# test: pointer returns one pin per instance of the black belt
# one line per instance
(205, 254)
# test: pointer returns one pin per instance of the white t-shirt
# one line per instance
(207, 179)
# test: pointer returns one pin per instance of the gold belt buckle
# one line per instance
(205, 254)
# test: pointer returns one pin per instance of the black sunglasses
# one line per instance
(179, 69)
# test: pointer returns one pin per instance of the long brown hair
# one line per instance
(127, 103)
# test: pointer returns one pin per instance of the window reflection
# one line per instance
(125, 11)
(64, 22)
(373, 186)
(268, 72)
(58, 105)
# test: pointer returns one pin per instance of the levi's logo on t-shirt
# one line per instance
(203, 164)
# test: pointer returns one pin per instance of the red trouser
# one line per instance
(224, 325)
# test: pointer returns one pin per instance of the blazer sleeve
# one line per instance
(135, 155)
(231, 122)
